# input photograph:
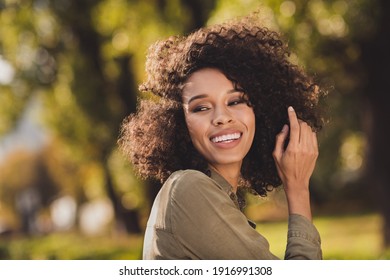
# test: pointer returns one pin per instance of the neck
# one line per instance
(231, 173)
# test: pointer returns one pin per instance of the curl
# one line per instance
(256, 60)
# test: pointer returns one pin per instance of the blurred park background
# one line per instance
(69, 71)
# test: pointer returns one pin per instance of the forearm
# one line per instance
(298, 199)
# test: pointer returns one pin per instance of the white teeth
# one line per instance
(226, 138)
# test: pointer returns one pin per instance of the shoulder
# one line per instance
(188, 176)
(190, 185)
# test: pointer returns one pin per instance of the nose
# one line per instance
(221, 116)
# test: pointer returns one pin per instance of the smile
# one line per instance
(226, 138)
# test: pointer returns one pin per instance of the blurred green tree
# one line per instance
(84, 60)
(25, 196)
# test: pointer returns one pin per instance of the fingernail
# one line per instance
(291, 109)
(285, 127)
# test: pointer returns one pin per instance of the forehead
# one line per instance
(206, 81)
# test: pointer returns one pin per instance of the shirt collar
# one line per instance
(238, 200)
(225, 185)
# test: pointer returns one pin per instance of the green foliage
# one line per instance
(82, 60)
(68, 246)
(130, 189)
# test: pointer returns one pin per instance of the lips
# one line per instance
(226, 138)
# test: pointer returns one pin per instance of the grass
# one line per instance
(71, 246)
(344, 237)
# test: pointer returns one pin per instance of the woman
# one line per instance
(231, 115)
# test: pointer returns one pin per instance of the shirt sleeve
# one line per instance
(208, 225)
(303, 239)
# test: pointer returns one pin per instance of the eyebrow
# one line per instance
(200, 96)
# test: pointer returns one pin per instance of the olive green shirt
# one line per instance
(195, 216)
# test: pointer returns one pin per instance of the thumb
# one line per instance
(279, 144)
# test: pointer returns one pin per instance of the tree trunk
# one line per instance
(376, 62)
(127, 219)
(78, 17)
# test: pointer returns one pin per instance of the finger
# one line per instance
(279, 144)
(308, 138)
(294, 126)
(315, 141)
(305, 134)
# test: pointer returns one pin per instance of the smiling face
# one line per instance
(220, 122)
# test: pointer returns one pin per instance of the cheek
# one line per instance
(250, 122)
(247, 117)
(196, 128)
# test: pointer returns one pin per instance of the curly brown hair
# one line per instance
(255, 59)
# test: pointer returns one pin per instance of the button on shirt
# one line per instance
(195, 216)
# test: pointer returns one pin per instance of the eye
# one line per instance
(240, 99)
(200, 109)
(236, 102)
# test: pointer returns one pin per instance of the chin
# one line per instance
(227, 161)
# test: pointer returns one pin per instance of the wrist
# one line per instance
(299, 202)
